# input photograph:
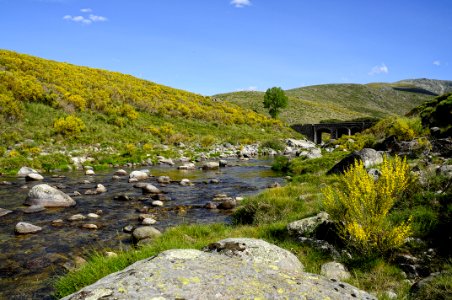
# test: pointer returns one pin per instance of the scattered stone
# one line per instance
(90, 172)
(274, 185)
(335, 270)
(110, 254)
(115, 177)
(93, 216)
(210, 205)
(164, 179)
(165, 161)
(33, 209)
(214, 181)
(91, 192)
(150, 189)
(187, 166)
(148, 221)
(211, 165)
(145, 232)
(24, 171)
(76, 217)
(227, 204)
(308, 227)
(140, 185)
(26, 228)
(121, 172)
(157, 203)
(34, 177)
(101, 188)
(4, 212)
(76, 193)
(185, 182)
(141, 217)
(122, 197)
(223, 163)
(57, 222)
(138, 176)
(128, 228)
(89, 226)
(6, 183)
(47, 196)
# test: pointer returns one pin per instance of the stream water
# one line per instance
(29, 263)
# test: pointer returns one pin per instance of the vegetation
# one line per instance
(361, 206)
(275, 99)
(340, 102)
(49, 106)
(438, 113)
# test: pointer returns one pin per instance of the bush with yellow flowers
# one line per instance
(361, 206)
(70, 126)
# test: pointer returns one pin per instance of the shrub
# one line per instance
(274, 144)
(355, 142)
(69, 126)
(10, 108)
(361, 206)
(403, 128)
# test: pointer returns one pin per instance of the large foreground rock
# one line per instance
(369, 157)
(47, 196)
(233, 269)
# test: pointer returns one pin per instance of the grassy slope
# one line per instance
(335, 101)
(121, 113)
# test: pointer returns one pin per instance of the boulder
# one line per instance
(26, 228)
(210, 165)
(145, 232)
(138, 175)
(304, 144)
(34, 177)
(229, 269)
(150, 189)
(334, 270)
(47, 196)
(309, 227)
(24, 171)
(368, 156)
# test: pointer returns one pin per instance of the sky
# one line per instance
(217, 46)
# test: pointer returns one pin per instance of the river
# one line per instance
(29, 263)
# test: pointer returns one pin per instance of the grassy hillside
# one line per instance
(47, 106)
(338, 101)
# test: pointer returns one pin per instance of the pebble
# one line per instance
(157, 203)
(89, 226)
(93, 216)
(148, 221)
(77, 217)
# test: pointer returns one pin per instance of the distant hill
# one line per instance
(312, 104)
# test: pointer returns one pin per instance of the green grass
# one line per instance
(335, 101)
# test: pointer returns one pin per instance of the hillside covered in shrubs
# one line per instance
(47, 106)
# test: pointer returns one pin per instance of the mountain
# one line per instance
(312, 104)
(438, 87)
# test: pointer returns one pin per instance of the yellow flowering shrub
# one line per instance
(361, 206)
(69, 126)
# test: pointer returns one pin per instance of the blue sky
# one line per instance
(215, 46)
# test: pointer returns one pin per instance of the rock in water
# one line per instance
(236, 269)
(34, 177)
(138, 175)
(26, 228)
(211, 165)
(24, 171)
(47, 196)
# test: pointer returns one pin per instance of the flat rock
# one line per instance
(241, 269)
(33, 209)
(26, 228)
(24, 171)
(47, 196)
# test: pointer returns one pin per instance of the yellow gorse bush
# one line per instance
(362, 204)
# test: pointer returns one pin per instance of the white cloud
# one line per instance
(437, 63)
(85, 19)
(381, 69)
(241, 3)
(95, 18)
(248, 89)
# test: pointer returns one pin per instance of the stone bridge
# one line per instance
(314, 131)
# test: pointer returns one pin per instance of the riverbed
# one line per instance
(29, 263)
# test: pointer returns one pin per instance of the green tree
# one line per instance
(274, 100)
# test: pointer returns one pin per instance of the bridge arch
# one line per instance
(314, 131)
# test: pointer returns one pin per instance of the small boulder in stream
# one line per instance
(47, 196)
(34, 177)
(26, 228)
